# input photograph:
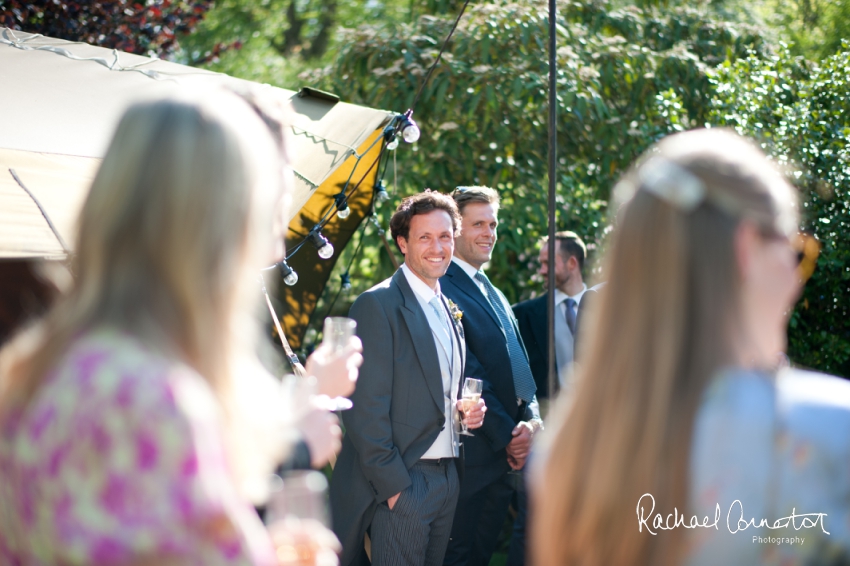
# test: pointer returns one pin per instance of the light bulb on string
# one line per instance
(289, 275)
(346, 282)
(391, 132)
(409, 130)
(381, 194)
(342, 209)
(326, 249)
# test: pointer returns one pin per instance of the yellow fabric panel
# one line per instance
(299, 301)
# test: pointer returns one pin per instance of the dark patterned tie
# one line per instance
(523, 380)
(571, 315)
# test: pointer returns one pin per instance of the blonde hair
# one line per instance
(475, 194)
(665, 323)
(170, 238)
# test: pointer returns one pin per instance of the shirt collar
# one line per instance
(468, 269)
(560, 297)
(420, 288)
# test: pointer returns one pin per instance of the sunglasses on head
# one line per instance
(808, 250)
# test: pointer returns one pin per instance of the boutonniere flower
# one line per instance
(456, 313)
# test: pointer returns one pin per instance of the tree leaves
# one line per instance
(149, 28)
(613, 64)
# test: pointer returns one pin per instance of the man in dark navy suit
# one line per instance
(497, 356)
(532, 315)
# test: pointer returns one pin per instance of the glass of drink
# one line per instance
(469, 398)
(338, 330)
(301, 494)
(297, 516)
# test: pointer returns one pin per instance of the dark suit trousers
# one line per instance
(416, 530)
(481, 511)
(517, 552)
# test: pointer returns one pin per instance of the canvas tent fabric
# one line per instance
(62, 101)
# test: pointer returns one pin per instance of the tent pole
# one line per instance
(553, 161)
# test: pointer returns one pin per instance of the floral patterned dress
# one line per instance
(770, 465)
(120, 456)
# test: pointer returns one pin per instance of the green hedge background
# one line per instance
(630, 72)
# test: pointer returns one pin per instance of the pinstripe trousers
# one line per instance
(415, 532)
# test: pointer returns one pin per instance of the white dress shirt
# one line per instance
(564, 339)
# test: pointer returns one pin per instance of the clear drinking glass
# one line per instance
(301, 494)
(338, 330)
(470, 395)
(297, 515)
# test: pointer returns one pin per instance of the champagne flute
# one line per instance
(338, 330)
(470, 396)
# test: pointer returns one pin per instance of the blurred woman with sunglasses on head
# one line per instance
(683, 436)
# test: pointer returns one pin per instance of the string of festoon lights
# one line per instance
(401, 127)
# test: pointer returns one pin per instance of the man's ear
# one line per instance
(572, 263)
(401, 242)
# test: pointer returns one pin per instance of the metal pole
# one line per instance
(553, 178)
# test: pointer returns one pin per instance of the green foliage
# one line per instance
(275, 40)
(812, 28)
(815, 28)
(149, 28)
(801, 114)
(625, 78)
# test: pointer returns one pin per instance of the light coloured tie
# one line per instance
(441, 314)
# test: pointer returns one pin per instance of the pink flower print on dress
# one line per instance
(115, 496)
(41, 421)
(54, 463)
(189, 468)
(108, 551)
(147, 451)
(101, 440)
(124, 395)
(87, 366)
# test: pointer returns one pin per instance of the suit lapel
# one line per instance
(466, 285)
(423, 339)
(541, 331)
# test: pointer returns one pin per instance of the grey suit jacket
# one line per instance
(397, 413)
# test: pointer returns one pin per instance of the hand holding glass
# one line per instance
(470, 396)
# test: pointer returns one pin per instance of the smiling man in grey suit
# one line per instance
(397, 474)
